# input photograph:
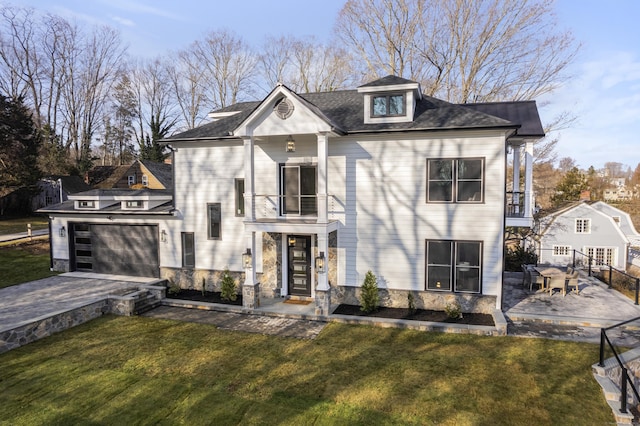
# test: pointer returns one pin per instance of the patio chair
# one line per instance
(526, 275)
(572, 281)
(536, 279)
(557, 282)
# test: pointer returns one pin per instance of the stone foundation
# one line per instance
(475, 303)
(61, 265)
(193, 279)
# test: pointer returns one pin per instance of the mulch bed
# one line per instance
(208, 296)
(417, 315)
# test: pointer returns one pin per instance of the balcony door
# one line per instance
(298, 187)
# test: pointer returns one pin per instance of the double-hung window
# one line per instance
(387, 105)
(561, 250)
(583, 226)
(188, 250)
(214, 220)
(455, 180)
(453, 266)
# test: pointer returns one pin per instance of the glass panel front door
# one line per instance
(299, 255)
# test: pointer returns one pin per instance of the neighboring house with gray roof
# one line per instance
(596, 230)
(56, 189)
(302, 194)
(139, 174)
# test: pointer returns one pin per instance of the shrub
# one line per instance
(369, 297)
(173, 288)
(515, 257)
(228, 290)
(411, 302)
(453, 310)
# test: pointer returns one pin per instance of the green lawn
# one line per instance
(135, 370)
(12, 226)
(24, 262)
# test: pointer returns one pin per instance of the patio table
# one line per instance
(549, 272)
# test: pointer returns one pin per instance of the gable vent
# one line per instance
(284, 108)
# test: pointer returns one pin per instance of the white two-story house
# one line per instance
(302, 194)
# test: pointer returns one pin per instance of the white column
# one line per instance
(515, 197)
(528, 179)
(249, 183)
(323, 278)
(323, 154)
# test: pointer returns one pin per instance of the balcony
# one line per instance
(516, 212)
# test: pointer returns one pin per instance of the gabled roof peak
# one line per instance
(389, 80)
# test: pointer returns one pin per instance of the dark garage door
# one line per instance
(117, 249)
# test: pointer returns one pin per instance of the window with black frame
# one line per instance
(214, 219)
(456, 180)
(188, 250)
(453, 266)
(387, 105)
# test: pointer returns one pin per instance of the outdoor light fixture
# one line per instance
(292, 241)
(321, 265)
(63, 232)
(291, 144)
(163, 236)
(246, 259)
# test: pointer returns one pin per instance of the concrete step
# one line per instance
(144, 302)
(612, 395)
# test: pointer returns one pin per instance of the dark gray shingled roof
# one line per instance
(389, 80)
(345, 110)
(523, 112)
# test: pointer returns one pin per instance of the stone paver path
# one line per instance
(263, 324)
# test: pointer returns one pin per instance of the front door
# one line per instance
(299, 254)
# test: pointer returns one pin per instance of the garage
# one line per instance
(115, 249)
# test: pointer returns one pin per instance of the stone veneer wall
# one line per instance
(61, 265)
(191, 279)
(271, 279)
(55, 323)
(423, 299)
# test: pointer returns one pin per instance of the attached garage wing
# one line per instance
(116, 249)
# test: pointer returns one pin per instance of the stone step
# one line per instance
(612, 395)
(144, 303)
(612, 363)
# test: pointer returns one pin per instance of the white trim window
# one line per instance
(453, 266)
(561, 250)
(583, 226)
(145, 180)
(388, 105)
(602, 255)
(131, 180)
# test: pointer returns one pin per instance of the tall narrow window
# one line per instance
(453, 266)
(145, 180)
(188, 250)
(298, 190)
(214, 217)
(239, 185)
(458, 180)
(131, 180)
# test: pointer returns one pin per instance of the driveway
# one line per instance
(32, 300)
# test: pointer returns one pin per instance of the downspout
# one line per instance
(50, 246)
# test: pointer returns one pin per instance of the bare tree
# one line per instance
(186, 75)
(229, 65)
(156, 104)
(461, 50)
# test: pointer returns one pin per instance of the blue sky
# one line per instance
(604, 92)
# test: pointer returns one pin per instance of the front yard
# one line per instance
(136, 370)
(27, 261)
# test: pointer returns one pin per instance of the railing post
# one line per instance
(589, 258)
(610, 276)
(637, 288)
(601, 363)
(623, 397)
(573, 263)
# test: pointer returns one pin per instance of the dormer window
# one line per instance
(136, 204)
(86, 204)
(387, 105)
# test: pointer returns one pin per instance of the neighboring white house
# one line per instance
(302, 194)
(597, 230)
